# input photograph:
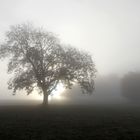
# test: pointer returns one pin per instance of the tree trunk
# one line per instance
(45, 99)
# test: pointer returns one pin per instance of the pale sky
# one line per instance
(108, 29)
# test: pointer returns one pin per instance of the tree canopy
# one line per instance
(39, 60)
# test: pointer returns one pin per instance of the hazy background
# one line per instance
(108, 29)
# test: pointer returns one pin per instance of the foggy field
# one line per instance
(70, 70)
(102, 122)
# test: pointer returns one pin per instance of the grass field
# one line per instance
(70, 122)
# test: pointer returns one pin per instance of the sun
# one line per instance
(56, 94)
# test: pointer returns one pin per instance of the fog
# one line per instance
(107, 91)
(108, 29)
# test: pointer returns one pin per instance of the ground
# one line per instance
(70, 122)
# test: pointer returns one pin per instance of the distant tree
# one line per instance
(130, 86)
(38, 60)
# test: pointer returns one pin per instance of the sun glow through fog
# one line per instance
(55, 95)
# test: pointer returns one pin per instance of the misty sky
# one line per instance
(108, 29)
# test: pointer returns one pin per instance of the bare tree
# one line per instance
(38, 60)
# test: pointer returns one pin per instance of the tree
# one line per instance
(39, 60)
(130, 86)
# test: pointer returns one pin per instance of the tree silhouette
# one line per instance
(130, 86)
(39, 60)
